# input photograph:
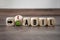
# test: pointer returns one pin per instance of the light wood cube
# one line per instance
(18, 20)
(10, 21)
(42, 21)
(26, 21)
(51, 21)
(18, 17)
(34, 21)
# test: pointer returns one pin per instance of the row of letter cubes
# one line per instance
(30, 21)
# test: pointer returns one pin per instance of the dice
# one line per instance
(18, 20)
(18, 17)
(34, 21)
(42, 21)
(26, 21)
(10, 21)
(51, 21)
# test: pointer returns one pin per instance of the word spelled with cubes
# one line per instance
(30, 21)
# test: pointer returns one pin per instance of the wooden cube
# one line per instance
(42, 21)
(10, 21)
(18, 20)
(18, 17)
(34, 21)
(26, 21)
(51, 21)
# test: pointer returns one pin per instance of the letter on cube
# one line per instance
(18, 20)
(10, 21)
(51, 21)
(34, 21)
(26, 21)
(42, 21)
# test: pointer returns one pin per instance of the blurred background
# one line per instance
(42, 4)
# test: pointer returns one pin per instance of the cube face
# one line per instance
(10, 21)
(42, 21)
(18, 20)
(34, 21)
(18, 17)
(26, 21)
(51, 21)
(18, 23)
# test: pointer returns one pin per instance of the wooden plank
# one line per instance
(35, 12)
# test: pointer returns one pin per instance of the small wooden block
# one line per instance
(42, 21)
(18, 20)
(10, 21)
(34, 21)
(26, 21)
(18, 17)
(51, 21)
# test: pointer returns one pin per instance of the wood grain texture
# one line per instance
(31, 12)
